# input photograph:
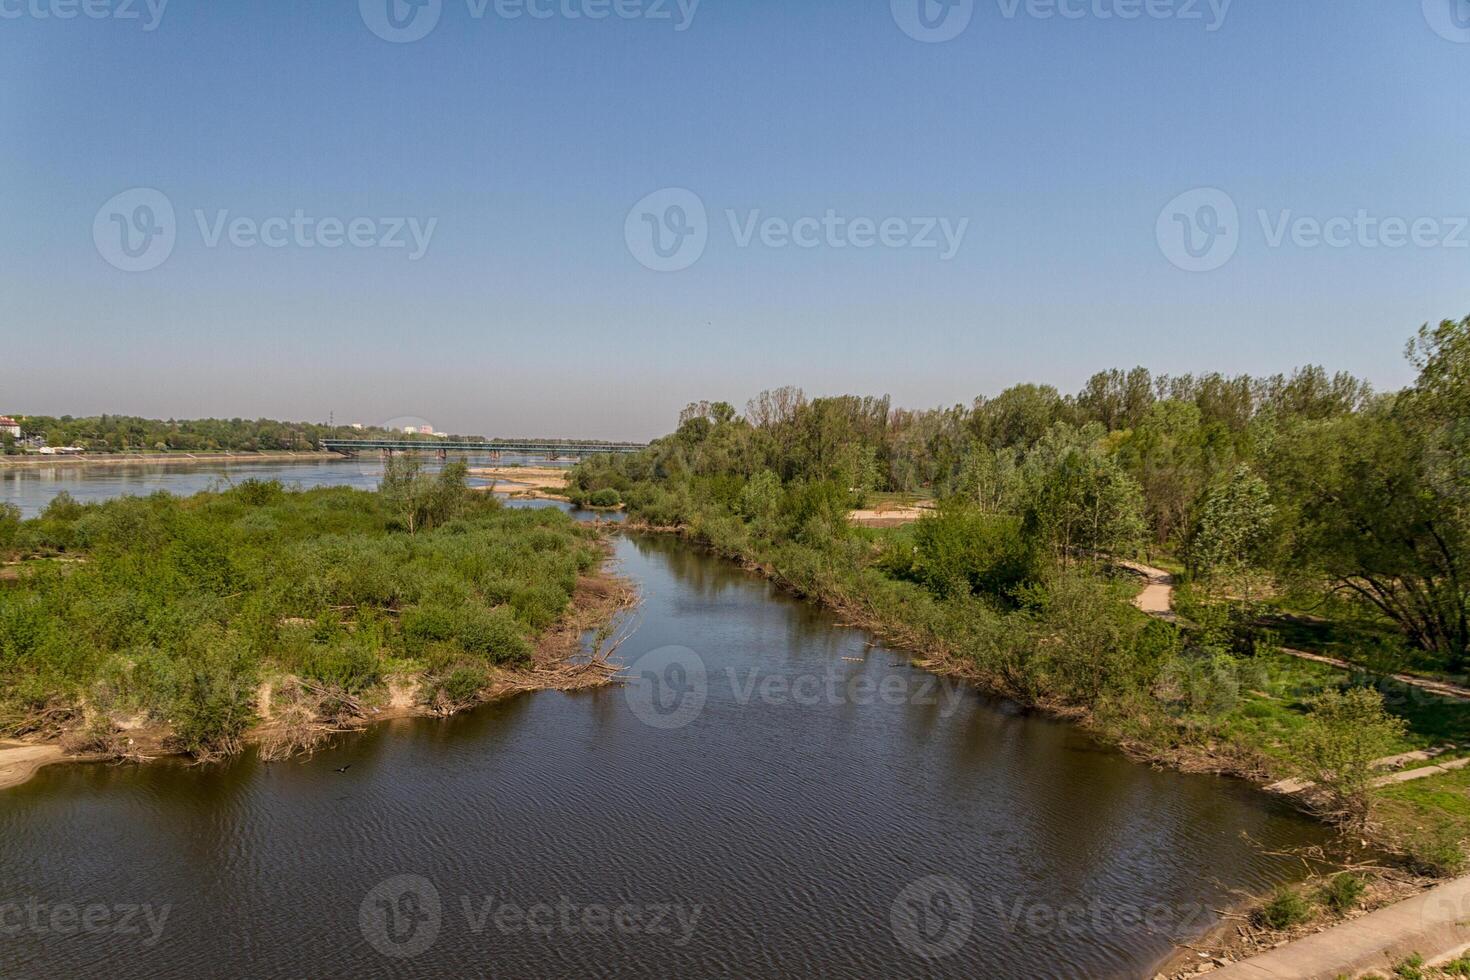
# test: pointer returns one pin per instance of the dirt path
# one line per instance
(1157, 597)
(889, 515)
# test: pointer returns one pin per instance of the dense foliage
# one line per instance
(1309, 484)
(1261, 490)
(179, 608)
(124, 433)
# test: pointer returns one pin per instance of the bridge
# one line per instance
(494, 447)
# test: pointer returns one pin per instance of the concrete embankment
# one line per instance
(1435, 925)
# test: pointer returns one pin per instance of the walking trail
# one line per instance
(1434, 924)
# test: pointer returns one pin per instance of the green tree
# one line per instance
(1233, 529)
(1336, 748)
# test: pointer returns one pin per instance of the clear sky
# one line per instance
(521, 147)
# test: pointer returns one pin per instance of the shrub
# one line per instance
(9, 525)
(607, 497)
(1341, 893)
(1438, 853)
(1285, 909)
(215, 698)
(1337, 745)
(963, 550)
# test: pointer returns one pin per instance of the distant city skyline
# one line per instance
(526, 218)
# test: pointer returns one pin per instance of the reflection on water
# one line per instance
(783, 829)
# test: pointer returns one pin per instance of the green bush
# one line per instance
(1341, 893)
(215, 699)
(962, 551)
(607, 497)
(1285, 909)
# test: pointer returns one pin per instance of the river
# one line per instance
(772, 796)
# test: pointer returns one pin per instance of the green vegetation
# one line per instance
(1287, 908)
(1268, 496)
(180, 608)
(124, 433)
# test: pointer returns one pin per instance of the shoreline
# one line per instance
(600, 599)
(164, 459)
(1185, 960)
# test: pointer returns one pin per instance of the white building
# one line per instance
(9, 426)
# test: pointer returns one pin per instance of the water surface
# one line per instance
(778, 830)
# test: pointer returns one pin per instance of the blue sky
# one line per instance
(1057, 141)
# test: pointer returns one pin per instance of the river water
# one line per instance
(770, 796)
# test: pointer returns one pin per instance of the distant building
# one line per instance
(426, 430)
(9, 426)
(357, 426)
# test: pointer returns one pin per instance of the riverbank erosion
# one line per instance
(273, 617)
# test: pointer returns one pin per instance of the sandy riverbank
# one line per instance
(525, 482)
(161, 459)
(19, 761)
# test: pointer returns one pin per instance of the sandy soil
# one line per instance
(529, 482)
(889, 515)
(19, 761)
(1157, 597)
